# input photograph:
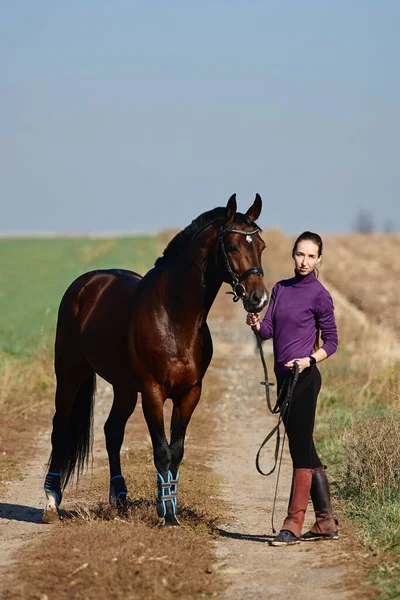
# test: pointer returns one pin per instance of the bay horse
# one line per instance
(149, 335)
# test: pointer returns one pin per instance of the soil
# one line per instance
(250, 567)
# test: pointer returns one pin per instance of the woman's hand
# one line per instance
(253, 320)
(304, 363)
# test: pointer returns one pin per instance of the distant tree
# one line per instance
(388, 226)
(364, 222)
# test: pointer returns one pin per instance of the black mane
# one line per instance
(182, 239)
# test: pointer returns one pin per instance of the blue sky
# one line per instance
(127, 116)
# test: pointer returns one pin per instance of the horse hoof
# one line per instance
(170, 521)
(50, 516)
(122, 502)
(50, 513)
(118, 492)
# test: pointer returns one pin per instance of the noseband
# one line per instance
(239, 291)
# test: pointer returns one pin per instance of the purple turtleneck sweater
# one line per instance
(298, 308)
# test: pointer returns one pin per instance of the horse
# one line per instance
(147, 335)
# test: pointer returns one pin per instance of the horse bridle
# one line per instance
(239, 291)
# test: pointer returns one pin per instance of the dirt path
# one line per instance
(253, 568)
(22, 504)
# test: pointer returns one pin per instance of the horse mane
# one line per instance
(183, 239)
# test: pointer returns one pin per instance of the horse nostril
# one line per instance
(255, 298)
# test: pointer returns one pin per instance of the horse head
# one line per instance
(239, 249)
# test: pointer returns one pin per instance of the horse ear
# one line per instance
(255, 209)
(230, 210)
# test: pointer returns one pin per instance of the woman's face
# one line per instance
(306, 257)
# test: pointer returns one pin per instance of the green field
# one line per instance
(36, 272)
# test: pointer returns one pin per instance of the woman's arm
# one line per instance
(327, 324)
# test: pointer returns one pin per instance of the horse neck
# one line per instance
(194, 280)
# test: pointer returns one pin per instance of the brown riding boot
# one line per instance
(292, 525)
(325, 526)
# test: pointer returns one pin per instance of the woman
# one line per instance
(300, 308)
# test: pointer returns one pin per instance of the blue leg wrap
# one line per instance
(52, 485)
(166, 498)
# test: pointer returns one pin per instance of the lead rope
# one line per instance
(281, 409)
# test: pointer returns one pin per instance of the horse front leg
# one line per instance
(182, 412)
(153, 404)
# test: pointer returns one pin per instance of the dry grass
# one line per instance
(371, 454)
(366, 268)
(26, 405)
(369, 483)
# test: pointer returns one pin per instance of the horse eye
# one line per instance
(232, 248)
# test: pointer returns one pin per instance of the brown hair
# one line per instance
(309, 236)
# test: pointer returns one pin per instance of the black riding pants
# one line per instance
(300, 416)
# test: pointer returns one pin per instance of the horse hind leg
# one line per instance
(114, 429)
(71, 434)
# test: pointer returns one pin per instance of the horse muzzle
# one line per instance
(255, 301)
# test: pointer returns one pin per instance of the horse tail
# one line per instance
(80, 444)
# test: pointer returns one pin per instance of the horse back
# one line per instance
(88, 291)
